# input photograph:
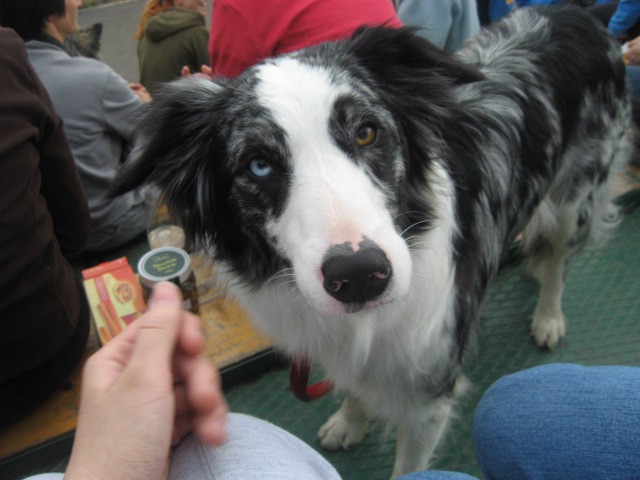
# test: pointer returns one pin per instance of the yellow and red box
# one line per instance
(114, 295)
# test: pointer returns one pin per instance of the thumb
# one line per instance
(159, 328)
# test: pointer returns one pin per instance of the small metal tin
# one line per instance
(169, 264)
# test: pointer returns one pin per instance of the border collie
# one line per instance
(358, 196)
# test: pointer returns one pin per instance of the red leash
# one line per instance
(299, 379)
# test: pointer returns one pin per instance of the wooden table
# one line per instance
(229, 335)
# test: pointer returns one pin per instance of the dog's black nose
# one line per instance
(356, 277)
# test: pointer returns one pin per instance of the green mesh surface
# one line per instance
(602, 308)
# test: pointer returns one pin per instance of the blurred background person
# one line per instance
(44, 218)
(621, 17)
(171, 34)
(445, 23)
(243, 32)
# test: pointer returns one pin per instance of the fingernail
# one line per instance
(164, 292)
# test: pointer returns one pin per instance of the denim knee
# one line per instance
(560, 421)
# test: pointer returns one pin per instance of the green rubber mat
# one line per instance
(602, 308)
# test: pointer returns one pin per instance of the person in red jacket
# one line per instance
(243, 32)
(44, 219)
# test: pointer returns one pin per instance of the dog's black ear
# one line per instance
(174, 131)
(174, 144)
(385, 51)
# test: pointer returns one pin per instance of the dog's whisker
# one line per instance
(284, 273)
(414, 225)
(286, 280)
(290, 283)
(413, 239)
(420, 275)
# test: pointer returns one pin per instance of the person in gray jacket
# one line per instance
(97, 106)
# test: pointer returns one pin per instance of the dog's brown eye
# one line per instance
(365, 135)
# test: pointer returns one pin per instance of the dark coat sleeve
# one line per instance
(43, 216)
(33, 145)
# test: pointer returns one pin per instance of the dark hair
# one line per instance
(27, 17)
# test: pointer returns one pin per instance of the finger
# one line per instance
(201, 380)
(191, 341)
(205, 398)
(211, 427)
(158, 329)
(186, 71)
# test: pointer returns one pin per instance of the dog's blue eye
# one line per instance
(260, 168)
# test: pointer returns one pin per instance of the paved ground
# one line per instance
(119, 20)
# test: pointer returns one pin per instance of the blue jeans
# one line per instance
(557, 422)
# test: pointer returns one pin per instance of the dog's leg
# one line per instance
(417, 439)
(548, 324)
(549, 239)
(346, 427)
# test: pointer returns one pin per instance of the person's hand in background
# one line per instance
(143, 391)
(631, 52)
(140, 91)
(205, 71)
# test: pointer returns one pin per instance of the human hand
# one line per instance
(143, 391)
(631, 52)
(205, 71)
(140, 91)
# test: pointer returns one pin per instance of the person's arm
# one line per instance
(143, 391)
(626, 16)
(120, 106)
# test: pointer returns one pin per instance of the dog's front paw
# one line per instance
(548, 330)
(337, 432)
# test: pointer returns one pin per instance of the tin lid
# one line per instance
(164, 264)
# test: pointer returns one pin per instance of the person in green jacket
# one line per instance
(171, 39)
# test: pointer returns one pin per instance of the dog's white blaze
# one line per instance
(331, 200)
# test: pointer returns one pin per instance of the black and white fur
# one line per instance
(371, 256)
